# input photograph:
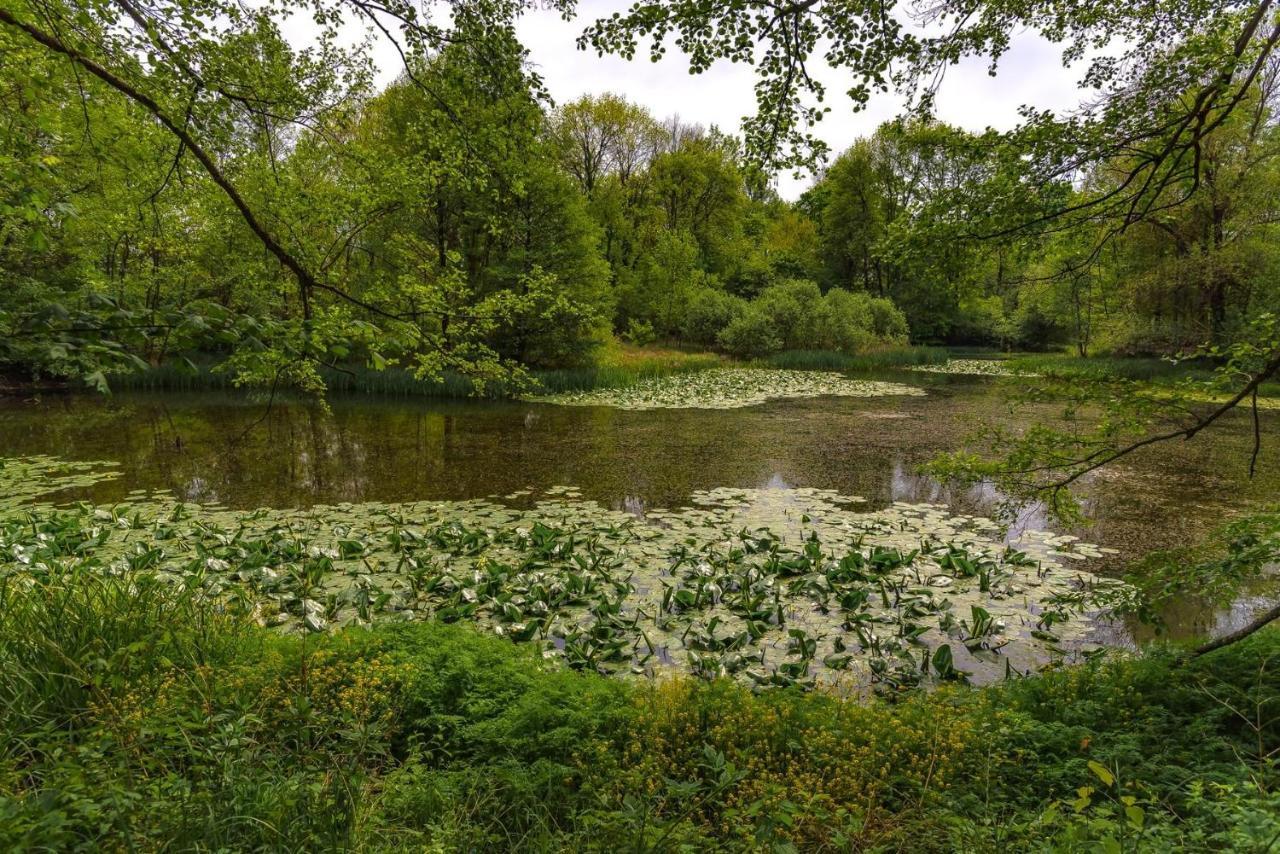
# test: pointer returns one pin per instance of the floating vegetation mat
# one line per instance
(777, 587)
(728, 388)
(973, 367)
(26, 478)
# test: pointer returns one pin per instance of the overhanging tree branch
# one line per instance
(308, 282)
(1259, 622)
(1270, 369)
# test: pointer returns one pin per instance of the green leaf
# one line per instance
(943, 662)
(1102, 773)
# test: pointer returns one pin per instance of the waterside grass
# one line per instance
(1149, 369)
(616, 365)
(830, 360)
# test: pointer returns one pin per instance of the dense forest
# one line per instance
(459, 219)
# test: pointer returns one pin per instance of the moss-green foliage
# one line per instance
(1158, 371)
(134, 716)
(613, 366)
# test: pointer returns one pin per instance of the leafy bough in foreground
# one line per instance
(1045, 462)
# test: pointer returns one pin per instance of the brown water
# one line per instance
(235, 451)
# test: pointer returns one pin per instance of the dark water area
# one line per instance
(235, 450)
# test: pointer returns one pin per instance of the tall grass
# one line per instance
(1141, 368)
(830, 360)
(616, 366)
(68, 637)
(1126, 367)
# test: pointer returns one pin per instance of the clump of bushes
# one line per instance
(795, 315)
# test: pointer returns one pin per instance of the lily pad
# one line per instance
(973, 367)
(775, 586)
(728, 388)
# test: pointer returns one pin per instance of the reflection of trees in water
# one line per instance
(392, 450)
(308, 454)
(979, 499)
(1186, 619)
(775, 481)
(633, 504)
(297, 454)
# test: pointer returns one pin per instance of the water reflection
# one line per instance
(775, 481)
(980, 499)
(633, 504)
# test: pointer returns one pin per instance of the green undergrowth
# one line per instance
(615, 366)
(136, 716)
(1133, 368)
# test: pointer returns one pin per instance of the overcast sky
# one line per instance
(1031, 73)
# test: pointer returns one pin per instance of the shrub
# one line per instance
(888, 323)
(795, 309)
(640, 332)
(709, 312)
(143, 717)
(751, 335)
(803, 318)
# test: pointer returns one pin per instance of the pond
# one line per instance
(234, 452)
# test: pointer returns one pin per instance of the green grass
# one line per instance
(621, 365)
(136, 716)
(616, 366)
(1127, 367)
(1140, 368)
(830, 360)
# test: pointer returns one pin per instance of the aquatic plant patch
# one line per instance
(774, 587)
(27, 478)
(973, 367)
(729, 388)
